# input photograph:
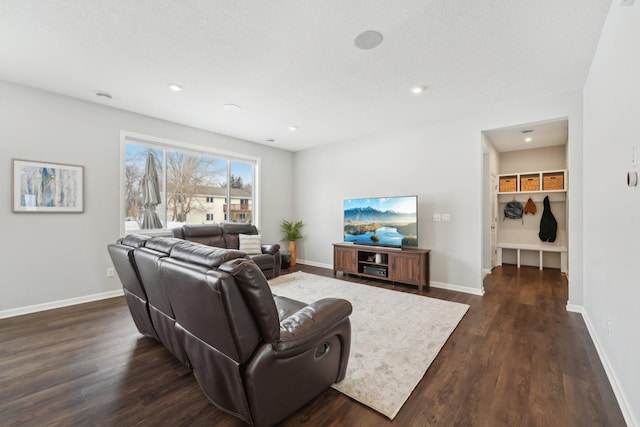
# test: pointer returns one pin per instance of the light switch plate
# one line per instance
(436, 217)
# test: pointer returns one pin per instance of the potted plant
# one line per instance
(292, 233)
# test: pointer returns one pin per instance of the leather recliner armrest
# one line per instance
(306, 327)
(270, 249)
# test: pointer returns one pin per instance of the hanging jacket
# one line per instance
(548, 223)
(530, 207)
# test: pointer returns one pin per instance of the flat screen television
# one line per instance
(382, 221)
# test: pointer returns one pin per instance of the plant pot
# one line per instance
(292, 251)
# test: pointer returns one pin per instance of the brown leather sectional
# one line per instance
(255, 355)
(226, 236)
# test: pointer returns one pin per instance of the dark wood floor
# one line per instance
(517, 358)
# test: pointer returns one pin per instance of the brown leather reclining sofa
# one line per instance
(227, 235)
(255, 355)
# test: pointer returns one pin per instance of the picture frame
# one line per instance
(46, 187)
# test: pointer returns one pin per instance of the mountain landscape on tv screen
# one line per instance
(372, 226)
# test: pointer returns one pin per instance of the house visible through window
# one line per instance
(188, 186)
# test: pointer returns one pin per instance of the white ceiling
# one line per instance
(295, 63)
(543, 134)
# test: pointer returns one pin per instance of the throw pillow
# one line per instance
(250, 244)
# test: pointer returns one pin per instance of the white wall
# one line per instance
(611, 209)
(538, 159)
(53, 257)
(440, 162)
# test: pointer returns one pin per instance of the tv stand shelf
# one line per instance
(410, 266)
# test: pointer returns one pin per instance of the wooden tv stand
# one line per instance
(409, 266)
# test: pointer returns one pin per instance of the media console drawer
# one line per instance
(410, 266)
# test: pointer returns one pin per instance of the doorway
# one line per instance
(528, 150)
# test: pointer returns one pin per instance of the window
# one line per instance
(169, 184)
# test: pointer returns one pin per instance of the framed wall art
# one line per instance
(46, 187)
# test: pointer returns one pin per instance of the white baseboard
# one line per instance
(575, 308)
(315, 264)
(613, 379)
(58, 304)
(458, 288)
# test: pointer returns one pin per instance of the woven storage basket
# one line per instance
(553, 181)
(530, 183)
(508, 184)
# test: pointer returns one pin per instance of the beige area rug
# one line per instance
(394, 335)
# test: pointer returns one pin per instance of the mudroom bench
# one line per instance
(533, 247)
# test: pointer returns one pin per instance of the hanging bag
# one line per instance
(513, 210)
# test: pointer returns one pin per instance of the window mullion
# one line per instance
(164, 188)
(229, 207)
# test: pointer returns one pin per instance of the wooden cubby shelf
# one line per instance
(531, 182)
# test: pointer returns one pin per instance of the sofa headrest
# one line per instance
(134, 240)
(207, 256)
(200, 230)
(177, 232)
(257, 294)
(163, 244)
(239, 228)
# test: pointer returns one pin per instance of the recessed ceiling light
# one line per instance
(417, 90)
(103, 94)
(528, 139)
(231, 107)
(293, 128)
(175, 87)
(368, 40)
(528, 133)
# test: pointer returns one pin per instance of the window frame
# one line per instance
(127, 137)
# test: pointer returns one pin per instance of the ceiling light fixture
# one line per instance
(175, 87)
(368, 40)
(293, 128)
(527, 132)
(417, 90)
(231, 107)
(271, 141)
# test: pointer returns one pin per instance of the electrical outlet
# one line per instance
(437, 218)
(111, 272)
(446, 217)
